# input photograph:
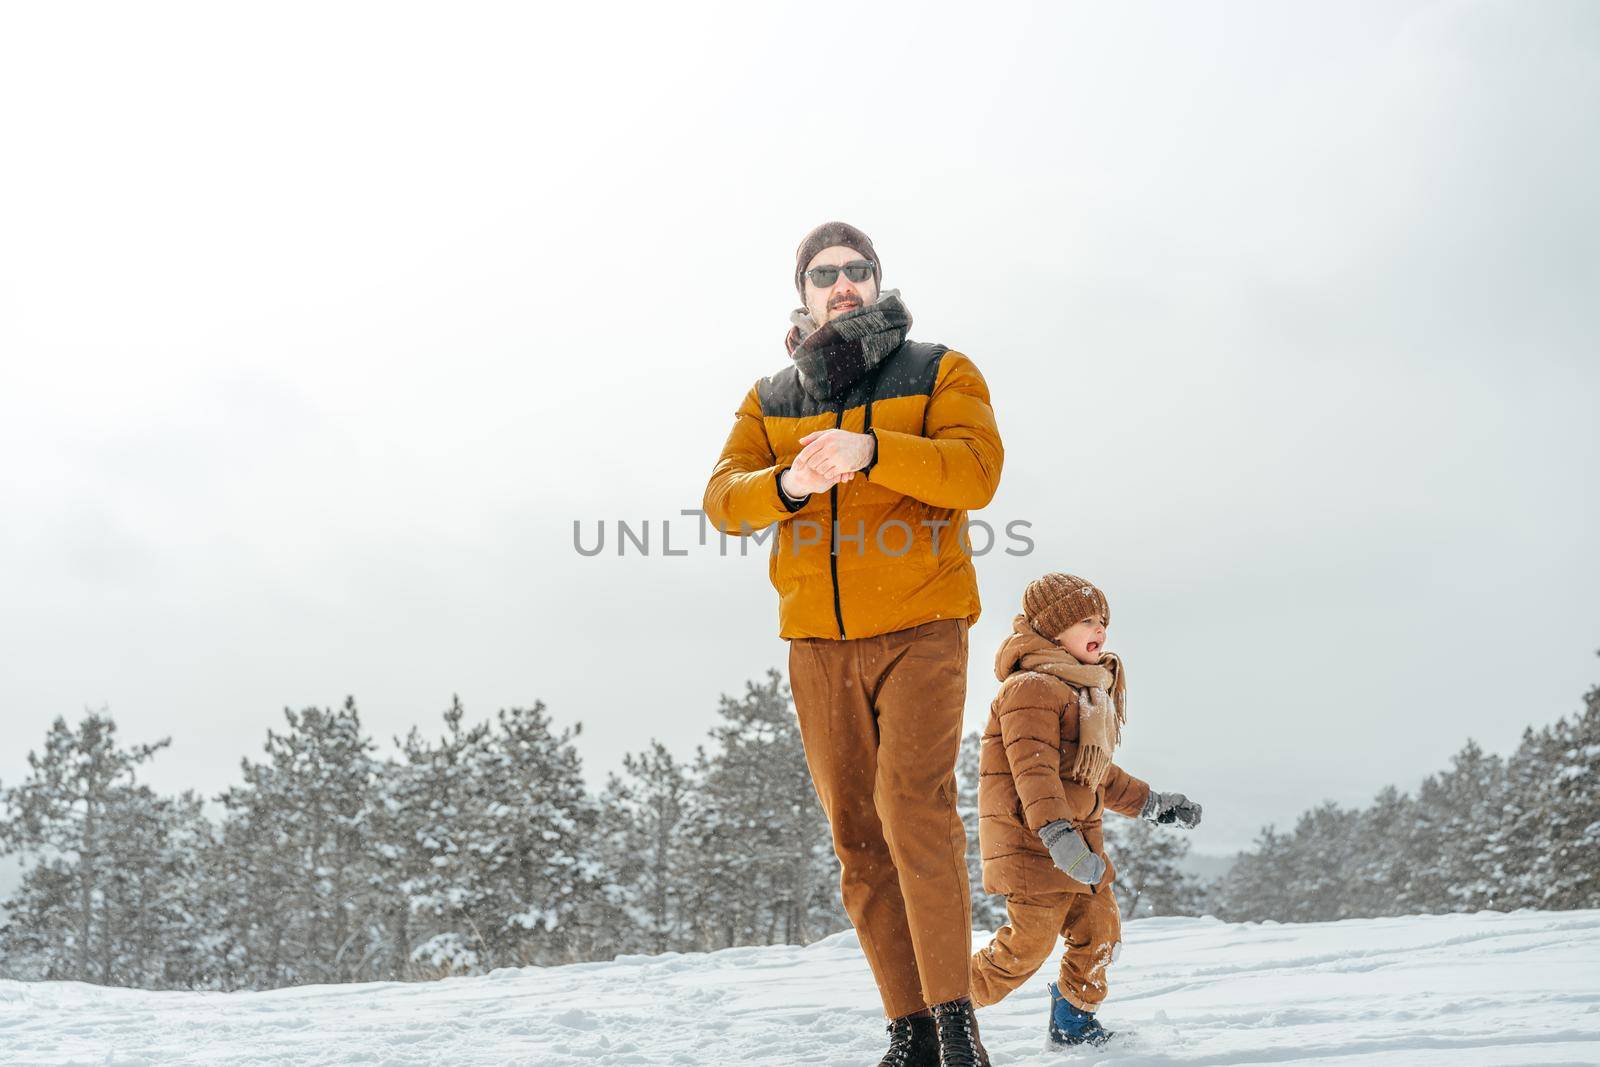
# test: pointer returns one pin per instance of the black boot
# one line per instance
(912, 1043)
(957, 1025)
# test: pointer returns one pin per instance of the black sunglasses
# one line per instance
(857, 270)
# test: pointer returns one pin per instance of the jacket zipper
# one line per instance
(833, 538)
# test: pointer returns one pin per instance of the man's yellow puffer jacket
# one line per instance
(938, 455)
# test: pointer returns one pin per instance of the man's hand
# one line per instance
(836, 453)
(1169, 808)
(1071, 853)
(801, 480)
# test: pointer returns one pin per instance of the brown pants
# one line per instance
(881, 721)
(1092, 926)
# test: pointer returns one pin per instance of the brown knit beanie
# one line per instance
(826, 236)
(1057, 600)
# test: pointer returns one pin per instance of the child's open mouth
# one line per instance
(1094, 646)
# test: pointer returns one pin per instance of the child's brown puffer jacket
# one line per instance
(1029, 744)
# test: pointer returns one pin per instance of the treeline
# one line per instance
(480, 847)
(474, 849)
(1488, 833)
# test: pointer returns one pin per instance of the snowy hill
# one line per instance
(1461, 990)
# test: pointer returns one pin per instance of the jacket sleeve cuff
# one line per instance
(789, 503)
(866, 472)
(885, 455)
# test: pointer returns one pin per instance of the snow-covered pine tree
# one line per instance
(434, 899)
(1518, 851)
(1460, 807)
(250, 891)
(389, 871)
(718, 906)
(644, 818)
(39, 938)
(1325, 850)
(533, 871)
(1259, 885)
(1379, 861)
(1574, 811)
(764, 867)
(69, 817)
(154, 896)
(1150, 875)
(297, 853)
(988, 912)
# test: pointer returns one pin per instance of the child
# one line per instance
(1045, 778)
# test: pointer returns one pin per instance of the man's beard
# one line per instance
(839, 305)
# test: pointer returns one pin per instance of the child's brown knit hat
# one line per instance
(1057, 600)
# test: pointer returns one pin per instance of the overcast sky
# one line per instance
(321, 324)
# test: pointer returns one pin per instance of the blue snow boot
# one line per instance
(1071, 1025)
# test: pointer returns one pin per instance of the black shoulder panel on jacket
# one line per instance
(781, 396)
(909, 370)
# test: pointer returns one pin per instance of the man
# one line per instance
(867, 452)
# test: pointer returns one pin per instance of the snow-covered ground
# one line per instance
(1460, 990)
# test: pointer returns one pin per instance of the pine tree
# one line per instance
(764, 868)
(1477, 789)
(1455, 812)
(153, 894)
(70, 813)
(645, 816)
(38, 941)
(434, 895)
(1520, 850)
(1259, 885)
(298, 854)
(1318, 848)
(1380, 861)
(1573, 814)
(534, 876)
(1150, 877)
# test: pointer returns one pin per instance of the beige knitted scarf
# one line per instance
(1025, 649)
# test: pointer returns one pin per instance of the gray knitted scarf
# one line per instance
(833, 357)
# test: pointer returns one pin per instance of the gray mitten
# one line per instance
(1169, 808)
(1071, 852)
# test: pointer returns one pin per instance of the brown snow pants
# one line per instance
(880, 718)
(1092, 926)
